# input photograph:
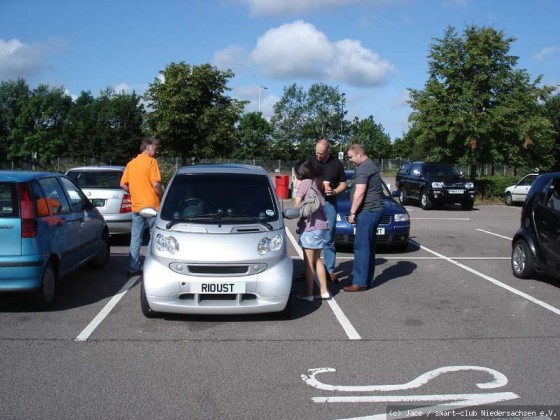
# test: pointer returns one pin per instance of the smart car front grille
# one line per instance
(218, 269)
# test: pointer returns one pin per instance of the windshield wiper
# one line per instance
(220, 217)
(187, 219)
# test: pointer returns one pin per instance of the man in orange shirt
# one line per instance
(142, 180)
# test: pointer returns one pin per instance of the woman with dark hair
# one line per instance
(312, 231)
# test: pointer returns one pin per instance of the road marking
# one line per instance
(495, 234)
(441, 218)
(451, 401)
(84, 335)
(339, 314)
(492, 280)
(407, 258)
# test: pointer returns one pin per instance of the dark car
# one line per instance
(434, 184)
(393, 230)
(536, 245)
(48, 228)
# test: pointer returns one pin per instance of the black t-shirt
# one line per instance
(332, 170)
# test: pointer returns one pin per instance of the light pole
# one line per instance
(261, 87)
(342, 95)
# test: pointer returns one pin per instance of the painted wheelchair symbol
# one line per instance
(443, 402)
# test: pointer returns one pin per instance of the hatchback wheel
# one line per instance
(44, 297)
(104, 253)
(425, 201)
(522, 260)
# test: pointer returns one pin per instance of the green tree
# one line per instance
(254, 132)
(476, 108)
(372, 136)
(13, 96)
(552, 111)
(189, 112)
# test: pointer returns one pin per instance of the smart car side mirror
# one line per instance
(148, 212)
(291, 213)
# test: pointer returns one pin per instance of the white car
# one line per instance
(102, 185)
(518, 192)
(218, 245)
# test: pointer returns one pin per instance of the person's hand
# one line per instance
(352, 219)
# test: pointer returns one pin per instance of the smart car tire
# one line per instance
(44, 297)
(522, 263)
(146, 310)
(288, 311)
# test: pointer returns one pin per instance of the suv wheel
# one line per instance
(509, 200)
(403, 198)
(425, 201)
(467, 205)
(522, 260)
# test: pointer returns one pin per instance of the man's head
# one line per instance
(149, 146)
(356, 154)
(322, 150)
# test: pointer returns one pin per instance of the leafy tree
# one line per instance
(552, 111)
(476, 108)
(39, 126)
(13, 96)
(254, 132)
(189, 112)
(372, 136)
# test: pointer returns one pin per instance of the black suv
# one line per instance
(434, 183)
(536, 245)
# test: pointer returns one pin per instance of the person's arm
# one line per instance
(357, 200)
(125, 187)
(340, 189)
(158, 189)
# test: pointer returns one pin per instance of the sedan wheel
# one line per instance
(522, 260)
(509, 200)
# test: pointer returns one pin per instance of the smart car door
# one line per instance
(547, 223)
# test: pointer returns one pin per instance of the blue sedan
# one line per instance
(393, 230)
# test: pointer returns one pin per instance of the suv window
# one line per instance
(8, 200)
(416, 169)
(222, 194)
(441, 170)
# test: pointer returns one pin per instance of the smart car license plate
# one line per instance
(219, 288)
(455, 191)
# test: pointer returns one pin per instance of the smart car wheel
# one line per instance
(509, 200)
(425, 201)
(44, 297)
(288, 311)
(403, 199)
(146, 310)
(104, 253)
(522, 260)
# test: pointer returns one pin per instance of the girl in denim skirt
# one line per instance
(312, 231)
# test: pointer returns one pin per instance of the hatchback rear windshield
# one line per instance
(222, 197)
(96, 179)
(8, 200)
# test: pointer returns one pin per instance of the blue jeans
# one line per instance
(329, 250)
(136, 239)
(363, 272)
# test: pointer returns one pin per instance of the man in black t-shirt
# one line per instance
(332, 177)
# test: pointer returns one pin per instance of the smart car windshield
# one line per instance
(219, 198)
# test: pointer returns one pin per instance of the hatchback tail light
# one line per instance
(28, 213)
(126, 204)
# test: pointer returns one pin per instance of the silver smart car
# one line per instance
(219, 245)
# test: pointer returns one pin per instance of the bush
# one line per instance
(493, 186)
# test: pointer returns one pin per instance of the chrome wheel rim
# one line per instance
(519, 258)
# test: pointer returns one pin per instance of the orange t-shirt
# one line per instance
(139, 174)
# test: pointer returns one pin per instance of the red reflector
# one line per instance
(28, 214)
(126, 204)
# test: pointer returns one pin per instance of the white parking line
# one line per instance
(84, 335)
(492, 280)
(495, 234)
(338, 313)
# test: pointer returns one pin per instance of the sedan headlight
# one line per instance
(403, 217)
(267, 244)
(469, 185)
(437, 184)
(167, 243)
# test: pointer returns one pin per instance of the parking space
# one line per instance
(446, 313)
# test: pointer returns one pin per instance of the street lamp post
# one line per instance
(342, 95)
(261, 87)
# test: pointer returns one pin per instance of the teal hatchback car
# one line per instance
(48, 228)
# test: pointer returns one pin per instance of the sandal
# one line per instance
(305, 298)
(323, 296)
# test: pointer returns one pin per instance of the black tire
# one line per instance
(288, 311)
(402, 246)
(425, 201)
(146, 310)
(403, 198)
(102, 257)
(509, 199)
(44, 296)
(522, 261)
(467, 205)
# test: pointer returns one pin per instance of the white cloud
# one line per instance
(299, 50)
(544, 52)
(284, 7)
(231, 57)
(20, 60)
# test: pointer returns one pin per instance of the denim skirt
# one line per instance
(313, 239)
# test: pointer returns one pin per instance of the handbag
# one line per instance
(310, 204)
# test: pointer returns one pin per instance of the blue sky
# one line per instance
(372, 50)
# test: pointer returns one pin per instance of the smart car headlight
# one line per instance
(267, 244)
(437, 184)
(403, 217)
(166, 243)
(469, 185)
